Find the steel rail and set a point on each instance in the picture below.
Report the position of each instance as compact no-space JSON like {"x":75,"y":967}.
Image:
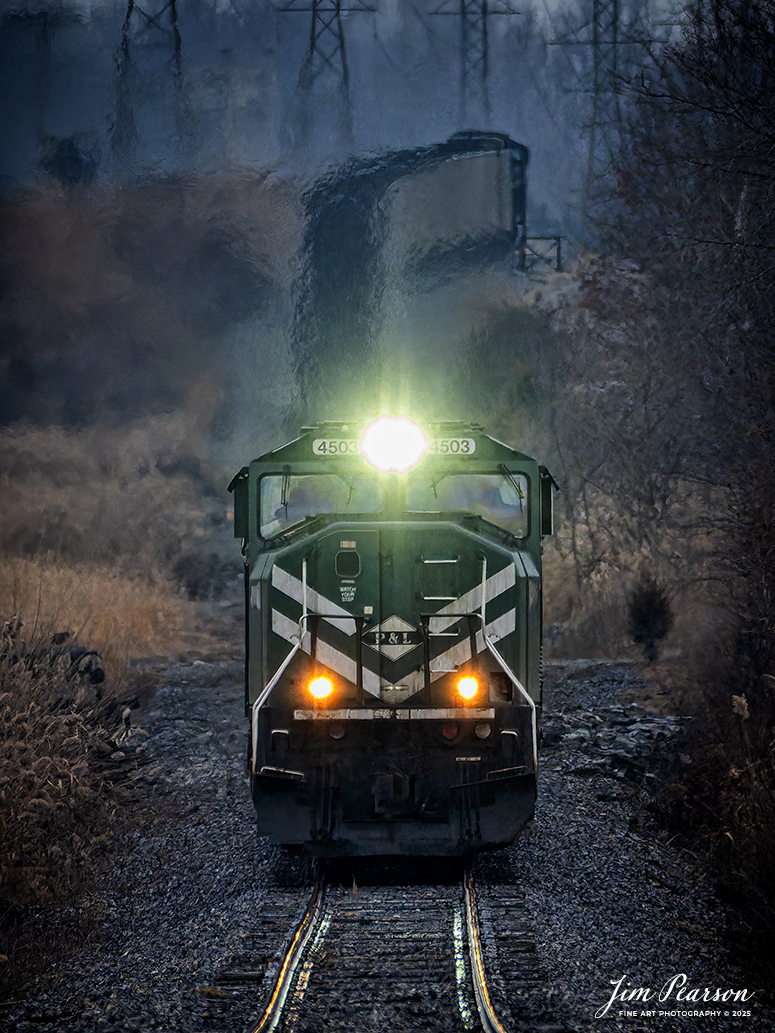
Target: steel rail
{"x":306,"y":928}
{"x":490,"y":1021}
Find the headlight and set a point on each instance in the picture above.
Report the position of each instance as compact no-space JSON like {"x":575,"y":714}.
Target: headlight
{"x":468,"y":687}
{"x":320,"y":687}
{"x":393,"y":443}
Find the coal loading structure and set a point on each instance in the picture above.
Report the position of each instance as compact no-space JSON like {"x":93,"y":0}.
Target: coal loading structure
{"x":405,"y":222}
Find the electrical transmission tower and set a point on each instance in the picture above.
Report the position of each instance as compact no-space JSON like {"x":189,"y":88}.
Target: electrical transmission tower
{"x":326,"y":52}
{"x":326,"y":58}
{"x":156,"y":25}
{"x":474,"y":58}
{"x":606,"y":92}
{"x":610,"y":42}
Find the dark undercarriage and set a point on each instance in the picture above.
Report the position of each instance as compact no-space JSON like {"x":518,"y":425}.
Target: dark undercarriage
{"x":391,"y":787}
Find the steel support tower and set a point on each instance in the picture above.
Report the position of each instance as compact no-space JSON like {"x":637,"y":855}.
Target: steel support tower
{"x":326,"y":52}
{"x":611,"y":42}
{"x":326,"y":57}
{"x":155,"y":22}
{"x":606,"y":92}
{"x":474,"y":52}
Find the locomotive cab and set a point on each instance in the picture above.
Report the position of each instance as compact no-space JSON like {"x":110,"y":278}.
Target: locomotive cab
{"x":393,"y":637}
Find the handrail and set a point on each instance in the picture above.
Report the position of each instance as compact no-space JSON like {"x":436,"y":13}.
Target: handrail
{"x":265,"y":695}
{"x":281,"y":669}
{"x":261,"y":700}
{"x":520,"y":688}
{"x":506,"y":670}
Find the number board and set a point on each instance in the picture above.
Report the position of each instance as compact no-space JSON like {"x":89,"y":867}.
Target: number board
{"x":438,"y":446}
{"x":453,"y":446}
{"x":335,"y":447}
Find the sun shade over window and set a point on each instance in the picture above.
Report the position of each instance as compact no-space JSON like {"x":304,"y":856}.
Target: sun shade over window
{"x":499,"y":498}
{"x":289,"y":499}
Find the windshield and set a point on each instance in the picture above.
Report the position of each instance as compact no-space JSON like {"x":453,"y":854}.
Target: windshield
{"x":288,"y":499}
{"x":498,"y":498}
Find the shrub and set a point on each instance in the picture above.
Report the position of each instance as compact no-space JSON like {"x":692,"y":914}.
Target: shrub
{"x":56,"y":813}
{"x":61,"y":721}
{"x":650,"y":615}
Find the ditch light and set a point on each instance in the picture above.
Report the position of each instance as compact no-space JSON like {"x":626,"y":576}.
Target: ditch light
{"x":468,"y":687}
{"x":320,"y":687}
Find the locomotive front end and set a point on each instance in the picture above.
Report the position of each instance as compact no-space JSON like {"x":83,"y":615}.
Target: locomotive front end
{"x":393,"y":609}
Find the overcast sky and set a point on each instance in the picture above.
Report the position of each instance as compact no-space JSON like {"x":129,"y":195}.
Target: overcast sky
{"x":117,"y":305}
{"x":225,"y":89}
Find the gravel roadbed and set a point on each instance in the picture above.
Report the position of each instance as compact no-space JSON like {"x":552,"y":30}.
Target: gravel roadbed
{"x":610,"y":897}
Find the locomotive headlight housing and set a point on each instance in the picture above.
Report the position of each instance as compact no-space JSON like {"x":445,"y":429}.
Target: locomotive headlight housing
{"x":467,"y":686}
{"x":393,"y":444}
{"x":320,"y":688}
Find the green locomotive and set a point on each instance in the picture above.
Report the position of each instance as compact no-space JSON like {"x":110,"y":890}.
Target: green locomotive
{"x":393,"y":637}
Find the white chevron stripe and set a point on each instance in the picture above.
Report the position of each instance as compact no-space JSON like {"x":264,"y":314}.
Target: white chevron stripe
{"x":461,"y":651}
{"x":289,"y":630}
{"x":471,"y":601}
{"x":427,"y":714}
{"x":326,"y":654}
{"x":292,"y":587}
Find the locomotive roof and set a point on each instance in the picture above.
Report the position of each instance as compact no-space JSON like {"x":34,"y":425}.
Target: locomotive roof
{"x":298,"y":450}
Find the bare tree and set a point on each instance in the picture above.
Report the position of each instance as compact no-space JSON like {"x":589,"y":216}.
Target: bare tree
{"x":694,"y":207}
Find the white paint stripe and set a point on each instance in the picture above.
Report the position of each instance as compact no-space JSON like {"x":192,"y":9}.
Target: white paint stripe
{"x":289,"y":630}
{"x":450,"y":660}
{"x":530,"y":567}
{"x":330,"y":657}
{"x":371,"y":682}
{"x":502,"y":626}
{"x":326,"y":654}
{"x":471,"y":601}
{"x":294,"y":588}
{"x":370,"y":714}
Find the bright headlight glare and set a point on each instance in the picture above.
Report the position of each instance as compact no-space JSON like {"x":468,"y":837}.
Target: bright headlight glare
{"x":393,"y":443}
{"x":320,"y":687}
{"x":468,"y":687}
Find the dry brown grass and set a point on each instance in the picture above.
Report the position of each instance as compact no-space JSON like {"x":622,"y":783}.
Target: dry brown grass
{"x":107,"y":534}
{"x":120,"y":617}
{"x":56,"y":813}
{"x":58,"y":731}
{"x":142,"y":499}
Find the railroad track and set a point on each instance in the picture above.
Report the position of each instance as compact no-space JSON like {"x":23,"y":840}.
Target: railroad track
{"x":401,"y":958}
